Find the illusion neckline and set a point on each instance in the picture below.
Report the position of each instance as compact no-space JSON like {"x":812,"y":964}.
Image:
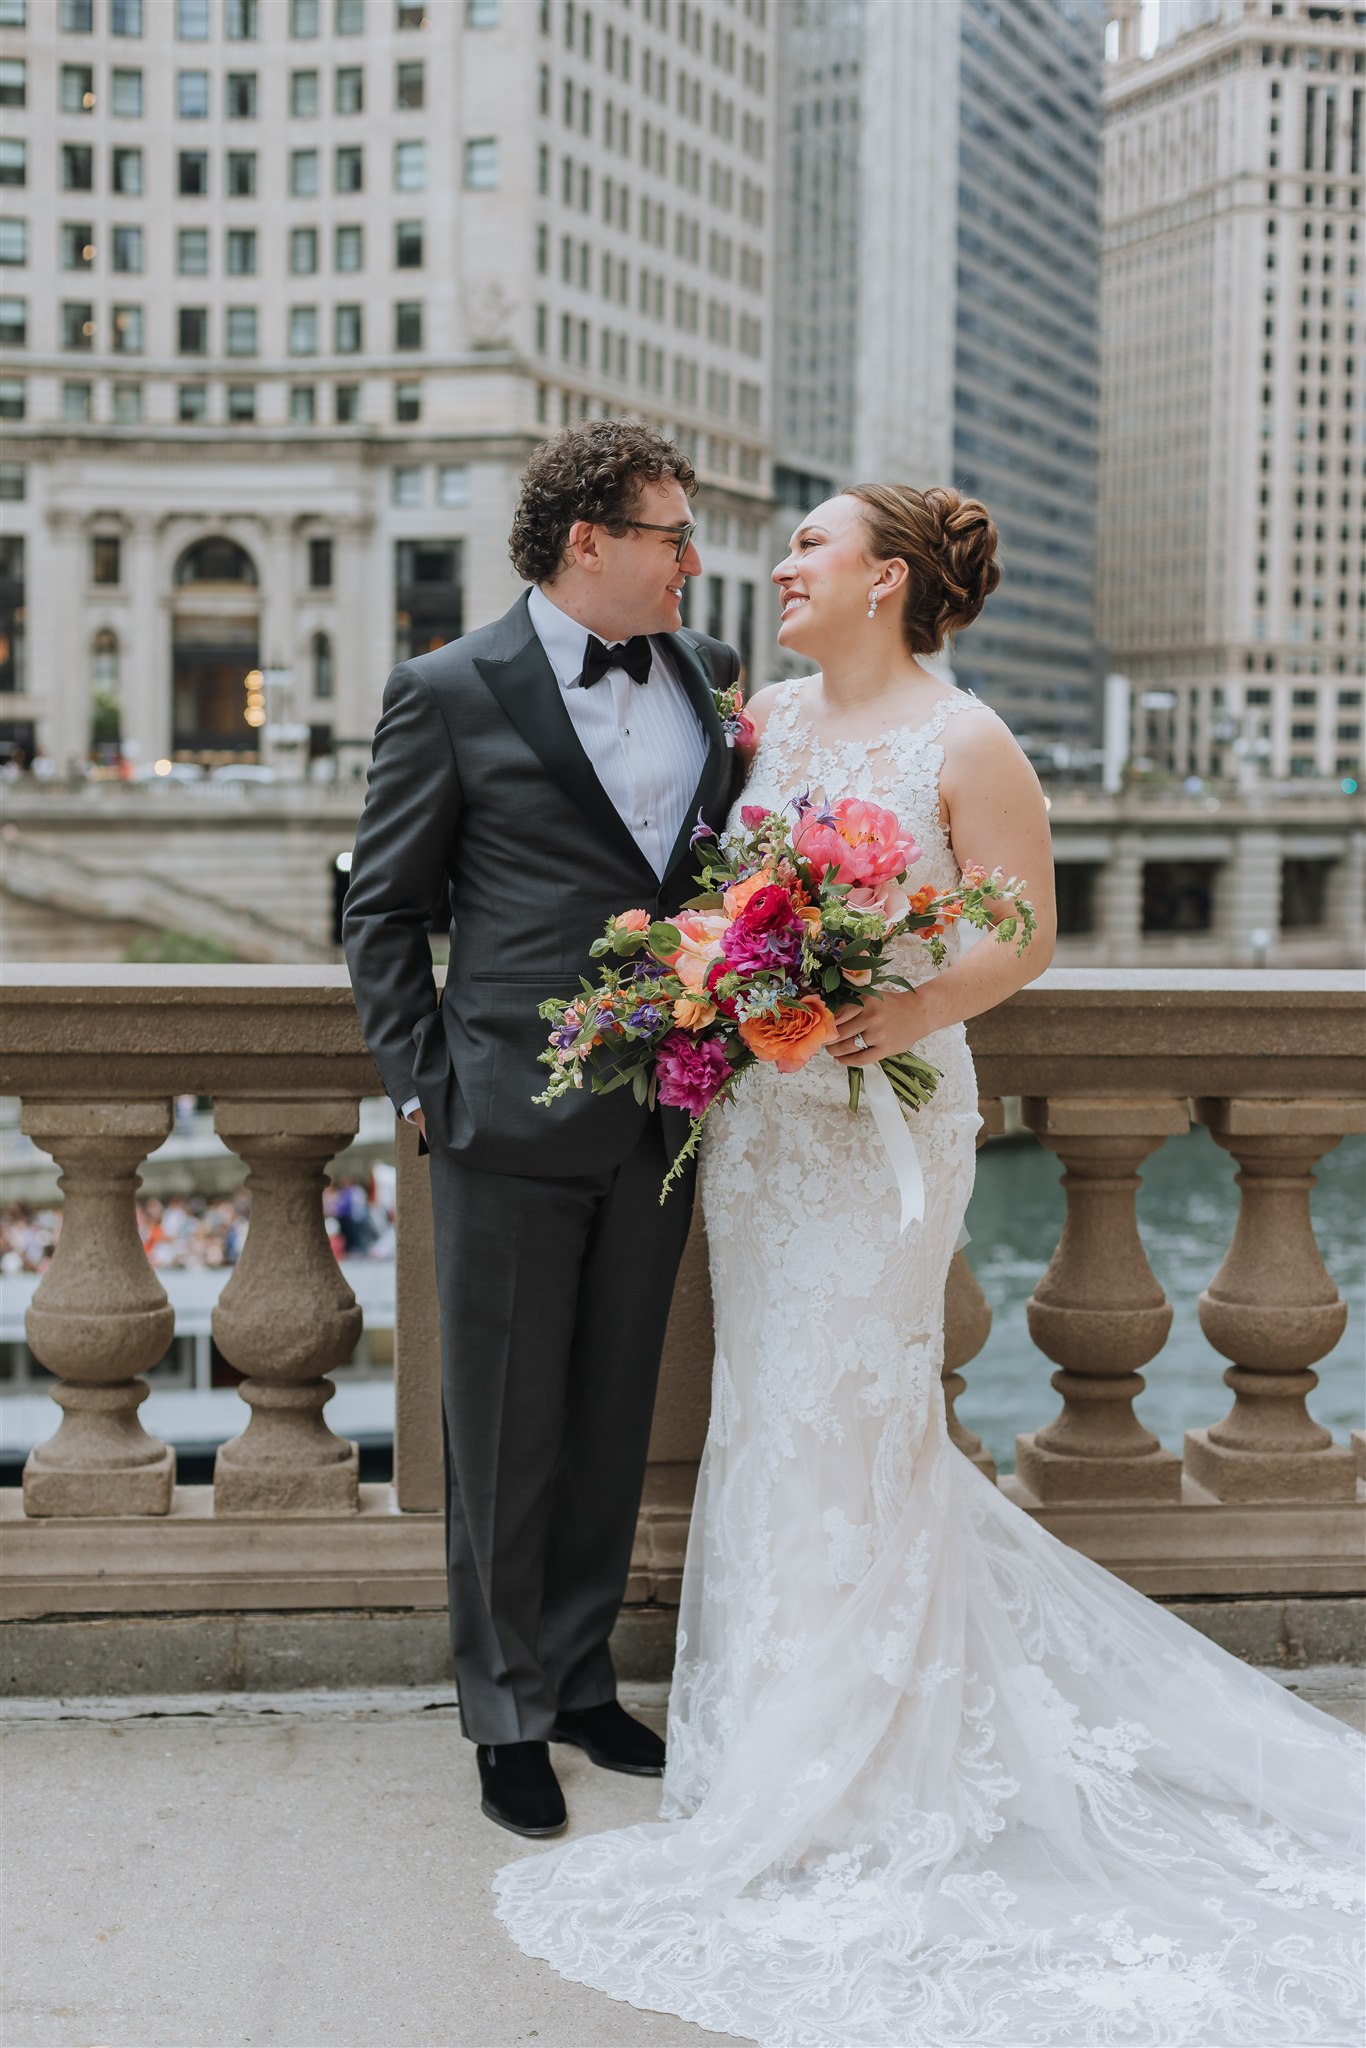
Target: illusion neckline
{"x":931,"y":725}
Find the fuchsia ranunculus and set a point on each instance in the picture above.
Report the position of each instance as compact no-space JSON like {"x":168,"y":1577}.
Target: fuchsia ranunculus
{"x":766,"y":933}
{"x":858,"y":843}
{"x":691,"y":1071}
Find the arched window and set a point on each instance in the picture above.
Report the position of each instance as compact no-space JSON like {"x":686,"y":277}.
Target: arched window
{"x":215,"y":561}
{"x":106,"y":661}
{"x":322,"y":665}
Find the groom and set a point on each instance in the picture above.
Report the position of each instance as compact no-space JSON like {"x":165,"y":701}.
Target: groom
{"x":542,"y":774}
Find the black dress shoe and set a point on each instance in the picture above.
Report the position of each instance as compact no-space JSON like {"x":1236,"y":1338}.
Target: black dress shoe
{"x":612,"y":1738}
{"x":520,"y":1789}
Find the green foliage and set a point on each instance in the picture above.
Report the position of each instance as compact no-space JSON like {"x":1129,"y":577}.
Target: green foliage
{"x":177,"y":949}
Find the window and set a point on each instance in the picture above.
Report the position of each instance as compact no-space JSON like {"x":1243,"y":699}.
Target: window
{"x":125,"y":94}
{"x":303,"y":173}
{"x":407,"y":487}
{"x":78,"y":167}
{"x":78,"y":324}
{"x":12,"y":480}
{"x":78,"y":247}
{"x":349,"y":169}
{"x":408,"y":324}
{"x":125,"y":17}
{"x":303,"y":251}
{"x":240,"y":23}
{"x":13,"y":161}
{"x":192,"y":252}
{"x":241,"y":252}
{"x":349,"y":19}
{"x":453,"y":484}
{"x":192,"y":95}
{"x":350,"y":90}
{"x":128,"y":330}
{"x":407,"y":403}
{"x":322,"y":664}
{"x":104,"y":558}
{"x":346,"y":330}
{"x":76,"y":401}
{"x":408,"y":245}
{"x":77,"y":89}
{"x":410,"y":167}
{"x":320,"y":565}
{"x":12,"y":398}
{"x":13,"y":241}
{"x":13,"y":13}
{"x":303,"y":94}
{"x":241,"y":403}
{"x":13,"y":322}
{"x":481,"y":13}
{"x":303,"y":330}
{"x":240,"y":176}
{"x":192,"y":403}
{"x":346,"y":404}
{"x":13,"y":82}
{"x":126,"y":249}
{"x":481,"y":164}
{"x":192,"y":330}
{"x":348,"y":249}
{"x":240,"y":97}
{"x":303,"y":405}
{"x":241,"y":331}
{"x":194,"y":173}
{"x":304,"y":21}
{"x":412,"y":13}
{"x":125,"y":173}
{"x":410,"y":85}
{"x":77,"y":17}
{"x":192,"y":21}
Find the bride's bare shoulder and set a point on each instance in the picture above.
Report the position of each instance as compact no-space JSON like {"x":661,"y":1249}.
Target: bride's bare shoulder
{"x":759,"y":707}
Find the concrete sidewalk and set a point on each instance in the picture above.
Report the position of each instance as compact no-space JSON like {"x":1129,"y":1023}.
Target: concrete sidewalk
{"x":293,"y":1870}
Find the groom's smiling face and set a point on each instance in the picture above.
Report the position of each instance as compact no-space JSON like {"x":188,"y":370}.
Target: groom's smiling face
{"x":629,"y":583}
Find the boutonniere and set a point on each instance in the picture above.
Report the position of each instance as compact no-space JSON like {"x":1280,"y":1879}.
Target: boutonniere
{"x":730,"y":709}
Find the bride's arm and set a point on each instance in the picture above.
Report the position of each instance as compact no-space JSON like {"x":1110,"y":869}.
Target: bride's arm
{"x":996,"y":817}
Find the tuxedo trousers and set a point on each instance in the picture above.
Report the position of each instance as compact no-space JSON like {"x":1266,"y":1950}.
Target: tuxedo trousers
{"x":554,"y":1295}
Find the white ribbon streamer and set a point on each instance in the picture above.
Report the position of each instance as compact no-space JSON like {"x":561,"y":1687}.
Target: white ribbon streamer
{"x":896,"y":1136}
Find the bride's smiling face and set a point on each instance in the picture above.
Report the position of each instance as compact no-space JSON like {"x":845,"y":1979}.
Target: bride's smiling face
{"x":827,"y":577}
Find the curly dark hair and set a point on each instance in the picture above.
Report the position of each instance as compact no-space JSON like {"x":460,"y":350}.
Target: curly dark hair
{"x":591,"y":471}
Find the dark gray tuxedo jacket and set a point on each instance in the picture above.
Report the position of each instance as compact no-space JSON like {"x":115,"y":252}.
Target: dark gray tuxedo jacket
{"x":480,"y":793}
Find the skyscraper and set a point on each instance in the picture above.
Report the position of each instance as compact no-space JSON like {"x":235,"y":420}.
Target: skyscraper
{"x":1233,"y":591}
{"x":292,"y":287}
{"x":938,"y":299}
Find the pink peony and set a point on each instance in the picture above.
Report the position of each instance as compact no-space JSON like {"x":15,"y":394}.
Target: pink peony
{"x":857,"y":843}
{"x":691,"y":1071}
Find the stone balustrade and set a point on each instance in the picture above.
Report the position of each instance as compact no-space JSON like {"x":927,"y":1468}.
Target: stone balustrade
{"x":1106,"y":1065}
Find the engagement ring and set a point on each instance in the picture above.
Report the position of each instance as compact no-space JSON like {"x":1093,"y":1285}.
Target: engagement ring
{"x":860,"y":1041}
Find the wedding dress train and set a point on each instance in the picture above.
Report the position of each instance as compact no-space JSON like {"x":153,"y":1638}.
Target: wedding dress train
{"x":934,"y":1778}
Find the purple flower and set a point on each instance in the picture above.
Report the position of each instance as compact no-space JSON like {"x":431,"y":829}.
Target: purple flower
{"x":700,"y":831}
{"x":691,"y":1071}
{"x":647,"y":1018}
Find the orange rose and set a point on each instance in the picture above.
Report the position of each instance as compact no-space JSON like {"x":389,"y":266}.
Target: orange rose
{"x":791,"y":1034}
{"x":693,"y":1016}
{"x":632,"y":921}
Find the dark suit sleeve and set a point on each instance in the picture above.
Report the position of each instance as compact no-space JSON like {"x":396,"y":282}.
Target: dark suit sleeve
{"x":399,"y":870}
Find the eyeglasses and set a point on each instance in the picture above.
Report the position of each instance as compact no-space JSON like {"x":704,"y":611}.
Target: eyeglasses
{"x":682,"y":535}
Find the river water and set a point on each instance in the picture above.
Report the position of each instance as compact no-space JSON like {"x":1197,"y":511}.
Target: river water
{"x":1187,"y":1208}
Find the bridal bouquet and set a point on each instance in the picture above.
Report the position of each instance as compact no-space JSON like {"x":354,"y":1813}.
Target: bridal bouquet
{"x":792,"y":923}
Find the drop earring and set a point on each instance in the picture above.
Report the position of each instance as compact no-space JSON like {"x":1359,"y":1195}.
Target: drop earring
{"x":873,"y":596}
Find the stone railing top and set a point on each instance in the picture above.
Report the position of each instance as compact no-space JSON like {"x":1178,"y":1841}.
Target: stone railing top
{"x":94,"y":1032}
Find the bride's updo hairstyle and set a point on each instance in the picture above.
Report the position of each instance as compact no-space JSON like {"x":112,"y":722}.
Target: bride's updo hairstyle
{"x":948,"y":543}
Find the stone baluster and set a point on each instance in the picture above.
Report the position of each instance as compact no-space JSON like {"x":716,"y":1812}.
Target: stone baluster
{"x":1273,"y":1309}
{"x":99,"y":1316}
{"x":1098,"y":1312}
{"x":286,"y":1316}
{"x":967,"y":1322}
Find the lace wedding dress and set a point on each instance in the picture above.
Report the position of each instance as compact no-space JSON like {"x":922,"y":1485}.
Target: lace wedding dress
{"x":933,"y":1777}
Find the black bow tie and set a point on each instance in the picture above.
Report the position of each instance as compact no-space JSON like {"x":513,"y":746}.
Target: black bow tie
{"x":634,"y":656}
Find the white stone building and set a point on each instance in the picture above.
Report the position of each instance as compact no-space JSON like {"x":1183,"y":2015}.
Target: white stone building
{"x":1233,"y":587}
{"x":938,"y":197}
{"x":289,"y":289}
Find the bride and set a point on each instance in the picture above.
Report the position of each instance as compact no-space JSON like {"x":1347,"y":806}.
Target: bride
{"x":933,"y":1778}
